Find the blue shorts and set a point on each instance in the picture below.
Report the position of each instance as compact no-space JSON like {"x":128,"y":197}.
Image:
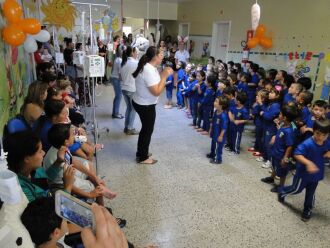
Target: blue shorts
{"x":279,"y":170}
{"x":169,"y":93}
{"x":75,"y":147}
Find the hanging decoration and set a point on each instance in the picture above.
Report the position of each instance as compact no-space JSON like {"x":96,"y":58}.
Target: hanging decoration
{"x":255,"y":15}
{"x":60,"y":13}
{"x":260,"y":38}
{"x":15,"y":33}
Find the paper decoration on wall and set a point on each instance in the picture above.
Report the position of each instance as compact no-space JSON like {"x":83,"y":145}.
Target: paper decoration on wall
{"x":60,"y":13}
{"x":303,"y":55}
{"x":255,"y":16}
{"x":325,"y":93}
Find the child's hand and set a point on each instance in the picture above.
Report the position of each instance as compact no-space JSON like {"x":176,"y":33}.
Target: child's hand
{"x":272,"y":141}
{"x":68,"y":177}
{"x":95,"y":193}
{"x":81,"y":131}
{"x":284,"y":163}
{"x":220,"y":139}
{"x":61,"y":153}
{"x":198,"y":86}
{"x":327,"y":155}
{"x":311,"y":168}
{"x":236,"y":122}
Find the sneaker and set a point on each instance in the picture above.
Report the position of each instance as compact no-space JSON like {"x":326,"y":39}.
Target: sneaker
{"x":274,"y":189}
{"x":167,"y":106}
{"x":280,"y":197}
{"x":266,"y":165}
{"x":213,"y":161}
{"x":227,"y":148}
{"x":260,"y":159}
{"x":132,"y":132}
{"x":233,"y":153}
{"x":125,"y":130}
{"x":277,"y":178}
{"x":268,"y":180}
{"x":209,"y":155}
{"x":306,"y":217}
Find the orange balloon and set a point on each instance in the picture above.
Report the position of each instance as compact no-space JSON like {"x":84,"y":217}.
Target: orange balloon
{"x":266,"y":42}
{"x":30,"y":25}
{"x":12,"y":11}
{"x":13,"y":35}
{"x":260,"y":31}
{"x":253,"y":42}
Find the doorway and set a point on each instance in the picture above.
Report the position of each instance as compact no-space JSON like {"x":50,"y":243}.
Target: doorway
{"x":220,"y":40}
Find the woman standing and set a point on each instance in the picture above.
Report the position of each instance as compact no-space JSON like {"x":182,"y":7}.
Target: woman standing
{"x":128,"y":66}
{"x":149,"y":85}
{"x":115,"y":80}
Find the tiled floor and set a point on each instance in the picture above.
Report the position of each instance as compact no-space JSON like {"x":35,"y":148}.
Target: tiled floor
{"x":184,"y":201}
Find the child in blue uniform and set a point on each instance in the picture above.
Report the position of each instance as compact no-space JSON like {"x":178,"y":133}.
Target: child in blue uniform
{"x":293,"y":92}
{"x":310,"y":166}
{"x":180,"y":78}
{"x":222,"y":84}
{"x":261,"y":99}
{"x":185,"y":85}
{"x":218,"y":129}
{"x":208,"y":102}
{"x":169,"y":92}
{"x":318,"y":113}
{"x":188,"y":92}
{"x":238,"y":116}
{"x":242,"y":86}
{"x":284,"y":142}
{"x":304,"y":99}
{"x":252,"y":85}
{"x":229,"y":92}
{"x":196,"y":98}
{"x":269,"y":114}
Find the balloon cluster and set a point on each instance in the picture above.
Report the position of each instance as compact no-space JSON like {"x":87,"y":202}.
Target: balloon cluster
{"x":260,"y":38}
{"x":20,"y":30}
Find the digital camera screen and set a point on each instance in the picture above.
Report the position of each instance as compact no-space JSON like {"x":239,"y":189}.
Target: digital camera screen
{"x":76,"y":213}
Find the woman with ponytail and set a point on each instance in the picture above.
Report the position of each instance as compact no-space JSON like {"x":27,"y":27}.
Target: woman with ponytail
{"x":128,"y":66}
{"x":149,"y":85}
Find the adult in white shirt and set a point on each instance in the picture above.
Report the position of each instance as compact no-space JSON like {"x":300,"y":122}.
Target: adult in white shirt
{"x":149,"y":85}
{"x":115,"y":80}
{"x":128,"y":66}
{"x":182,"y":54}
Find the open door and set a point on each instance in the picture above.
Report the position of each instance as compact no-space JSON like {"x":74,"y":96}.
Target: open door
{"x":220,"y":40}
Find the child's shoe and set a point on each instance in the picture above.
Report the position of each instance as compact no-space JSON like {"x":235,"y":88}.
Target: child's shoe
{"x":280,"y":197}
{"x":227,"y":148}
{"x":209,"y":155}
{"x":260,"y":159}
{"x":306,"y":216}
{"x":266,"y":165}
{"x":213,"y":161}
{"x":251,"y":149}
{"x":268,"y":180}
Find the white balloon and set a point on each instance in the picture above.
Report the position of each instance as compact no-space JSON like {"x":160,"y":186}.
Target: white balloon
{"x":30,"y":45}
{"x":42,"y":36}
{"x":255,"y":16}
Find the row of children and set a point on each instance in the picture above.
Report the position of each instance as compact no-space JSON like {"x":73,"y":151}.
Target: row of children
{"x":290,"y":130}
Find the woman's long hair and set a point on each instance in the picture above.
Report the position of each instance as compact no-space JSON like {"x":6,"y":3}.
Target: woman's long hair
{"x":146,"y":58}
{"x":127,"y":53}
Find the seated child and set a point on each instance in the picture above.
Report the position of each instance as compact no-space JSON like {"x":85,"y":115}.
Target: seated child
{"x":318,"y":113}
{"x":310,"y":166}
{"x":25,"y":156}
{"x":45,"y":227}
{"x":283,"y":144}
{"x":238,"y":116}
{"x":218,"y":129}
{"x":63,"y":135}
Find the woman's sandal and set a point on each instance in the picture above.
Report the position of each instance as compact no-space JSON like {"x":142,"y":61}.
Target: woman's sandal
{"x":153,"y":161}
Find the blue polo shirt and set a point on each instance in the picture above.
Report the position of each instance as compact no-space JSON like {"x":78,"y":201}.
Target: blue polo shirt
{"x":209,"y":97}
{"x":219,"y":122}
{"x":271,"y":112}
{"x":288,"y":98}
{"x":313,"y":152}
{"x":285,"y":137}
{"x":239,"y":114}
{"x":305,"y":114}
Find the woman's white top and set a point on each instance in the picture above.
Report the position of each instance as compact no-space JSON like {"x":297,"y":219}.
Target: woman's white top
{"x":116,"y":68}
{"x":128,"y":81}
{"x":148,"y":77}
